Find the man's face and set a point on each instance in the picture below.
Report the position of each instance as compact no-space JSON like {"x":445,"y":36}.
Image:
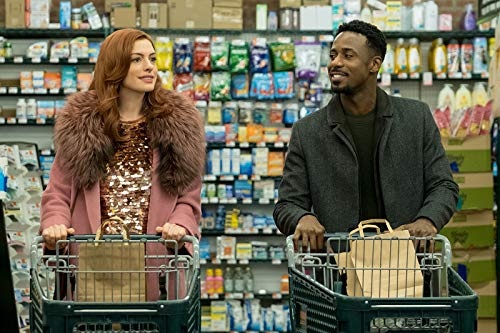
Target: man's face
{"x":352,"y":63}
{"x":142,"y":73}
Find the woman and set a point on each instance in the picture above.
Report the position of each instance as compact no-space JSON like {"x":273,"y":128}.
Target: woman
{"x":126,"y":148}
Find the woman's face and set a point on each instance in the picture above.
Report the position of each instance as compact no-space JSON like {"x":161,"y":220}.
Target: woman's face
{"x":142,"y":73}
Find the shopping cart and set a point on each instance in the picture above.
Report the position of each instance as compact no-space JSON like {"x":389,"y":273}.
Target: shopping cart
{"x":319,"y":300}
{"x":53,"y":277}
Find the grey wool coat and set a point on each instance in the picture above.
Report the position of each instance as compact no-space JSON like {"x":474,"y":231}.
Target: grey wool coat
{"x":321,"y":168}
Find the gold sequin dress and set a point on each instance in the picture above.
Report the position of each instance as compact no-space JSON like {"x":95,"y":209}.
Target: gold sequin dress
{"x":125,"y":189}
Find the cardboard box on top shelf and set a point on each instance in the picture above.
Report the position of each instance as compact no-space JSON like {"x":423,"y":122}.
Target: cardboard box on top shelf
{"x":190,"y":14}
{"x":315,"y":2}
{"x":229,"y":3}
{"x":479,"y":264}
{"x":476,"y":190}
{"x":110,"y":4}
{"x":227,"y":18}
{"x":486,"y":325}
{"x":123,"y":17}
{"x":471,"y":154}
{"x":487,"y":292}
{"x":290,"y":3}
{"x":14,"y":14}
{"x":470,"y":229}
{"x":154,"y":15}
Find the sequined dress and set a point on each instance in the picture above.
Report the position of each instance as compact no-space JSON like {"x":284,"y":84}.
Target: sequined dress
{"x":125,"y":189}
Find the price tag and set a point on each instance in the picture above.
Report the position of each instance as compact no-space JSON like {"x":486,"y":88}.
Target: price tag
{"x":256,"y":177}
{"x":249,"y":296}
{"x":267,"y":230}
{"x":277,"y":296}
{"x":244,"y":144}
{"x":40,"y":121}
{"x":279,"y":144}
{"x":18,"y":60}
{"x":441,"y":76}
{"x":2,"y":60}
{"x":54,"y":60}
{"x":247,"y":201}
{"x":54,"y":91}
{"x":231,"y":144}
{"x":2,"y":120}
{"x":385,"y":81}
{"x":46,"y":152}
{"x":276,"y":261}
{"x":485,"y":75}
{"x":204,"y":200}
{"x":233,"y":201}
{"x":231,"y":261}
{"x":223,"y":201}
{"x":227,"y":178}
{"x":415,"y":76}
{"x":243,"y":177}
{"x":13,"y":90}
{"x":261,"y":144}
{"x":72,"y":60}
{"x":427,"y":79}
{"x":22,"y":121}
{"x":214,"y":200}
{"x":263,"y":201}
{"x":69,"y":90}
{"x":402,"y":76}
{"x":36,"y":60}
{"x":216,"y":261}
{"x":93,"y":60}
{"x":243,"y":261}
{"x":466,"y":75}
{"x":214,"y":296}
{"x":27,"y":91}
{"x":3,"y":90}
{"x":203,"y":261}
{"x":209,"y":178}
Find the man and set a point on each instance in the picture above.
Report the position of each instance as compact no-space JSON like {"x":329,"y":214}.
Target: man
{"x":365,"y":155}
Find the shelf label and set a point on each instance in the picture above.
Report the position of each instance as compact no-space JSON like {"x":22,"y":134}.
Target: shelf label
{"x":267,"y":230}
{"x":247,"y":201}
{"x":13,"y":90}
{"x":227,"y":178}
{"x":402,"y":76}
{"x":72,"y":60}
{"x":22,"y":121}
{"x":385,"y":80}
{"x":223,"y":201}
{"x":244,"y":144}
{"x":54,"y":90}
{"x":243,"y":177}
{"x":3,"y":90}
{"x":2,"y":120}
{"x":203,"y":261}
{"x":256,"y":177}
{"x":276,"y":261}
{"x":231,"y":144}
{"x":36,"y":60}
{"x":231,"y":261}
{"x":485,"y":75}
{"x":264,"y":201}
{"x":279,"y":144}
{"x":27,"y":91}
{"x":277,"y":296}
{"x":18,"y":60}
{"x":233,"y":201}
{"x":249,"y":296}
{"x":40,"y":121}
{"x":2,"y":60}
{"x":415,"y":76}
{"x":216,"y":261}
{"x":69,"y":90}
{"x":54,"y":60}
{"x":204,"y":200}
{"x":243,"y":261}
{"x":427,"y":79}
{"x":214,"y":200}
{"x":209,"y":178}
{"x":261,"y":144}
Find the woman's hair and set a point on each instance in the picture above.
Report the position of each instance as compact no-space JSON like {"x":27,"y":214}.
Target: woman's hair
{"x":110,"y":70}
{"x":375,"y":38}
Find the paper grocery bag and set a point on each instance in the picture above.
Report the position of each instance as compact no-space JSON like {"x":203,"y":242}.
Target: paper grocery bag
{"x":344,"y":263}
{"x":111,"y":271}
{"x":386,"y":264}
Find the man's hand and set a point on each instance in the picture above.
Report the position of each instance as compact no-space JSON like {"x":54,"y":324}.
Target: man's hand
{"x":171,"y":231}
{"x":55,"y":233}
{"x":309,"y":231}
{"x":422,"y":227}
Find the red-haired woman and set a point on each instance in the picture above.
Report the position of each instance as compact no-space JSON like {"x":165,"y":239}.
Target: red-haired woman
{"x":126,"y":148}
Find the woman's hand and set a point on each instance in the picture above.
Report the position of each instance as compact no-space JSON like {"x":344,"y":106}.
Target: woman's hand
{"x":55,"y":233}
{"x":171,"y":231}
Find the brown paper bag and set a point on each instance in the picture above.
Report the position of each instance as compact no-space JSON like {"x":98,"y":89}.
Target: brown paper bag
{"x":111,"y":271}
{"x":386,"y":264}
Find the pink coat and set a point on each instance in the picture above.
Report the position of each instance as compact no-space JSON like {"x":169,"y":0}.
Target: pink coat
{"x":82,"y":151}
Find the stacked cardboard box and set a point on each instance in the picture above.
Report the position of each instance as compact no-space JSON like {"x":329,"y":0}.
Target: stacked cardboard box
{"x":228,"y":14}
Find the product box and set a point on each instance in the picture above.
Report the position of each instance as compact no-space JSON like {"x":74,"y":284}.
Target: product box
{"x":478,"y":265}
{"x":472,"y":154}
{"x":227,"y":18}
{"x":190,"y":14}
{"x":14,"y":14}
{"x":154,"y":15}
{"x":228,"y":3}
{"x":470,"y":230}
{"x":110,"y":4}
{"x":123,"y":17}
{"x":476,"y":190}
{"x":290,"y":3}
{"x":487,"y":292}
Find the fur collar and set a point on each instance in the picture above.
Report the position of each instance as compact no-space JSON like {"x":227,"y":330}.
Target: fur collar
{"x":177,"y":134}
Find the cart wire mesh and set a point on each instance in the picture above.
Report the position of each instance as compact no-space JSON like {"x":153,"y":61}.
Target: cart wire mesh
{"x":66,"y":296}
{"x":365,"y":284}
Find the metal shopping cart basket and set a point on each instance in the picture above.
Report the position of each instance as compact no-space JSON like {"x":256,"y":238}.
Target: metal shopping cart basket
{"x":319,"y":300}
{"x":53,"y":279}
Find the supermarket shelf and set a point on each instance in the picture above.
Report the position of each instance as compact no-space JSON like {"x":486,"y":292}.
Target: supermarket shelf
{"x":26,"y":122}
{"x":241,"y":261}
{"x":50,"y":33}
{"x":101,"y":33}
{"x":241,"y":232}
{"x":241,"y":296}
{"x":236,"y":201}
{"x":22,"y":60}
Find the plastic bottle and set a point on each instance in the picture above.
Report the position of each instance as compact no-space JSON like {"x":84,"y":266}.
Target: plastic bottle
{"x":209,"y":281}
{"x":417,"y":15}
{"x":31,"y":109}
{"x":431,"y":16}
{"x":21,"y":108}
{"x":239,"y":284}
{"x":440,"y":58}
{"x":466,"y":56}
{"x":414,"y":58}
{"x":366,"y":14}
{"x":401,"y":57}
{"x":453,"y":55}
{"x":218,"y":281}
{"x":228,"y":280}
{"x":388,"y":64}
{"x":468,"y":19}
{"x":248,"y":277}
